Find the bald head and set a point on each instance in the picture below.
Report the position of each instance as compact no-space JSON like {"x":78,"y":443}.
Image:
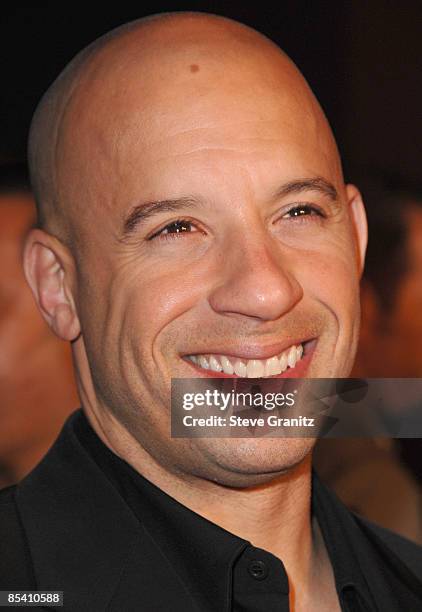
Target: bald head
{"x":152,"y":79}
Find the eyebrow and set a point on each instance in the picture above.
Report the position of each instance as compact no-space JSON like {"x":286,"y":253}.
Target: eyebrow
{"x":141,"y":212}
{"x":318,"y":184}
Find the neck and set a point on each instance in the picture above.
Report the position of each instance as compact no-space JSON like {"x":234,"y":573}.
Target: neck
{"x":275,"y":515}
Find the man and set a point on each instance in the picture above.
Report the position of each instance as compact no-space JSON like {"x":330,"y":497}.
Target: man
{"x":391,"y":299}
{"x":191,"y":203}
{"x":37,"y":390}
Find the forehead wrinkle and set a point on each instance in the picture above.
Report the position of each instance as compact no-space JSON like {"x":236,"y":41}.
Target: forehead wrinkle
{"x":229,"y":137}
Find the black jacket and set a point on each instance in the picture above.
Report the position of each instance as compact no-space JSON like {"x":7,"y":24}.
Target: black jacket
{"x":65,"y":527}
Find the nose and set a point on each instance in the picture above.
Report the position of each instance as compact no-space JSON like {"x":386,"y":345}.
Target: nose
{"x":256,"y":281}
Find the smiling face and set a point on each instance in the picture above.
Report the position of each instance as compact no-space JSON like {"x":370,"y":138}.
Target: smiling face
{"x":209,"y":218}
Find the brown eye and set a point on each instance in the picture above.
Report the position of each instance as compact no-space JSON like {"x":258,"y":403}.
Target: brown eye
{"x":177,"y":227}
{"x":173,"y":229}
{"x":303,"y":210}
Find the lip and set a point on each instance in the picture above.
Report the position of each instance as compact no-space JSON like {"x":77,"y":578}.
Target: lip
{"x":257,"y":352}
{"x":299,"y":371}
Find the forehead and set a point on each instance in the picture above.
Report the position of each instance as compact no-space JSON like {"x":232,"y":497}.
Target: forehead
{"x":190,"y":116}
{"x":152,"y":96}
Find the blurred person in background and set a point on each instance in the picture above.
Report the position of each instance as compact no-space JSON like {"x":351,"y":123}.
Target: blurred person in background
{"x":381,"y":478}
{"x":37,"y":389}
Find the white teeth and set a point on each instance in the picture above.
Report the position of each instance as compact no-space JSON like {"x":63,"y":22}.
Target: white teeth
{"x":227,"y":365}
{"x":291,"y":357}
{"x":255,"y":368}
{"x":250,"y":368}
{"x":240,"y":368}
{"x":214,"y":364}
{"x":203,"y":362}
{"x":272,"y":366}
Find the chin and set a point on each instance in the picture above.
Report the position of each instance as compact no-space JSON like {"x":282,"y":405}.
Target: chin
{"x":240,"y":462}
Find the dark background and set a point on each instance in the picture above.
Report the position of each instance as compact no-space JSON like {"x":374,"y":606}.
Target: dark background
{"x":363,"y":60}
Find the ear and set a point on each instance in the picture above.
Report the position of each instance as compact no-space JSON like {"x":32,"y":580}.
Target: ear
{"x":360,"y":226}
{"x":50,"y":272}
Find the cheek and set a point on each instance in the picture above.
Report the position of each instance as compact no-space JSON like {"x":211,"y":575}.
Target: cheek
{"x":139,"y":320}
{"x":329,"y":275}
{"x":165,"y":298}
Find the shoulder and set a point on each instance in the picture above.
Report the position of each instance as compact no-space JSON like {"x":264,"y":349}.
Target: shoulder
{"x":399,"y":549}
